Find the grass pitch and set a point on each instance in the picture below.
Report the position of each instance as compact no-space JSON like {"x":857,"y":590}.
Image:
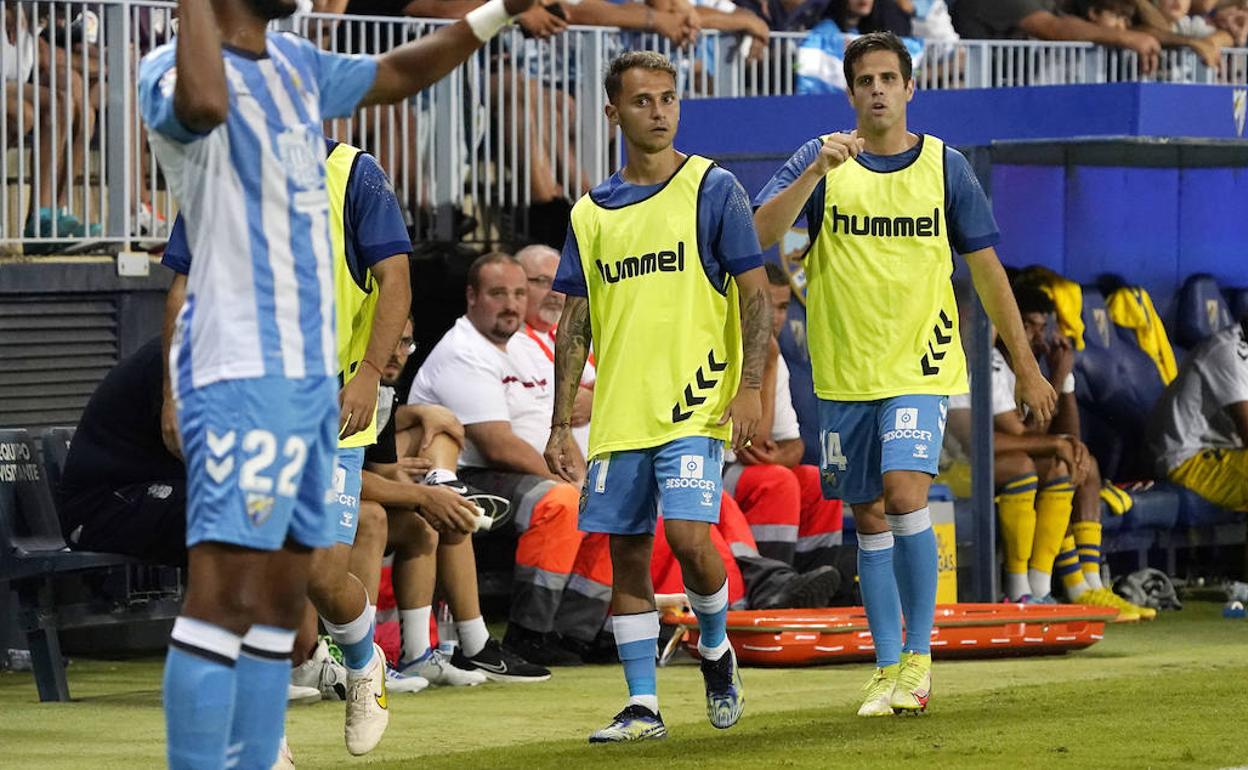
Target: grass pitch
{"x":1165,"y":694}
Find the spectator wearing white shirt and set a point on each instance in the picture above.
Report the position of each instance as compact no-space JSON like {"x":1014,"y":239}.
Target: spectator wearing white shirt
{"x":781,"y":498}
{"x":504,"y":403}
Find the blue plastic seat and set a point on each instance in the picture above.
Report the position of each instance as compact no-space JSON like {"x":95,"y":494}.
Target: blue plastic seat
{"x":1201,"y":311}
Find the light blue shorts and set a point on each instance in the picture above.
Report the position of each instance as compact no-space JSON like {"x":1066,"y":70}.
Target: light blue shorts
{"x":625,"y":491}
{"x":259,"y":461}
{"x":860,"y":441}
{"x":344,"y":505}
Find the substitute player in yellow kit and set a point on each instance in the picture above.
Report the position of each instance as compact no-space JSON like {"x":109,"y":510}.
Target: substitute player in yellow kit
{"x":664,"y":275}
{"x":883,"y":207}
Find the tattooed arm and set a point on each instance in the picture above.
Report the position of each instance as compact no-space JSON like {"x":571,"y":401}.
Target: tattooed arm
{"x":563,"y":454}
{"x":747,"y":407}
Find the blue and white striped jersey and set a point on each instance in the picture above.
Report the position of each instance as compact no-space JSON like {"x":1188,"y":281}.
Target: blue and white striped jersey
{"x":252,"y":191}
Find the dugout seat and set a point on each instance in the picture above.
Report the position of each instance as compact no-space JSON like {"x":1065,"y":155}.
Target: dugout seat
{"x":1201,"y":311}
{"x":33,"y":556}
{"x":1239,"y":303}
{"x":801,"y":383}
{"x":55,"y":445}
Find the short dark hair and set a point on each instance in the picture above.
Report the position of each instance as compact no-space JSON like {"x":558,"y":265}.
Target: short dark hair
{"x":1032,"y":299}
{"x":876,"y":41}
{"x":776,"y":275}
{"x":1121,"y":7}
{"x":650,"y":60}
{"x":484,"y":261}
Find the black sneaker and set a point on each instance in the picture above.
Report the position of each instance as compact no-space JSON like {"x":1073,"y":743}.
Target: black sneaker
{"x":808,"y":590}
{"x":500,"y":665}
{"x":495,"y":508}
{"x":601,"y":650}
{"x":538,"y":647}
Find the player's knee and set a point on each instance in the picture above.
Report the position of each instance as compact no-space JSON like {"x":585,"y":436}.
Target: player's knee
{"x":372,"y":520}
{"x":689,"y":540}
{"x":1011,"y":465}
{"x":905,"y":492}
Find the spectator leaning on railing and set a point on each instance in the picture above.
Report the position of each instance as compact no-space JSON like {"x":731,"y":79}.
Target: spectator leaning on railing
{"x":1043,"y":19}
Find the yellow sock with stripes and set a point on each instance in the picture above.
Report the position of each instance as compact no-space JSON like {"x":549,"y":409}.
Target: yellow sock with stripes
{"x":1053,"y":504}
{"x":1088,"y":541}
{"x":1067,"y":568}
{"x":1016,"y":508}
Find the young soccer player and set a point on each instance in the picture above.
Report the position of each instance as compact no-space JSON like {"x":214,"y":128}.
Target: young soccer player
{"x":235,"y":116}
{"x":663,"y":273}
{"x":884,"y":206}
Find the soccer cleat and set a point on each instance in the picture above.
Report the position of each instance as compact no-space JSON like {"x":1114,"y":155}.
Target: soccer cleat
{"x":368,"y":712}
{"x":495,"y":508}
{"x":725,"y":694}
{"x":634,"y":723}
{"x":499,"y":664}
{"x":297,"y":695}
{"x":914,"y":684}
{"x":1127,"y":612}
{"x":1046,"y":599}
{"x":322,"y":671}
{"x":438,"y":670}
{"x":878,"y":694}
{"x":399,"y":681}
{"x":285,"y":760}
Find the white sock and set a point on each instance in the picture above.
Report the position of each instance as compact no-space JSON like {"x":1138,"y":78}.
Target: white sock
{"x":1041,"y":583}
{"x":414,"y":627}
{"x":440,"y":476}
{"x":1077,"y":590}
{"x":1093,"y":579}
{"x":353,"y":633}
{"x":1016,"y":585}
{"x":472,"y":635}
{"x":649,"y":701}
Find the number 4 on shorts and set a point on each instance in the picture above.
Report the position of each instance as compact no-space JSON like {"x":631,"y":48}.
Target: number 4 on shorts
{"x":832,"y":455}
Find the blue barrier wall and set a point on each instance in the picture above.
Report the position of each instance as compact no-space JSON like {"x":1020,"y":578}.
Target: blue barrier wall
{"x":1127,"y":212}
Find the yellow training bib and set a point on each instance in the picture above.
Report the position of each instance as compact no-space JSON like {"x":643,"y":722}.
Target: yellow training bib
{"x":667,"y":341}
{"x":882,"y":320}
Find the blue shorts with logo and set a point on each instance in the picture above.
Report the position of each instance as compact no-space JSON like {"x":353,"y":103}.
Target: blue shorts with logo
{"x":860,"y":441}
{"x":259,"y":461}
{"x":344,"y":504}
{"x":625,"y":491}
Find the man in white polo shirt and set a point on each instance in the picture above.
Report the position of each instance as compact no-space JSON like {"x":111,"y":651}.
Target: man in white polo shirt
{"x":504,"y":403}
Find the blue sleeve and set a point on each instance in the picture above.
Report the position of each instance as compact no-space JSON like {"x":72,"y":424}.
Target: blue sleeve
{"x":570,"y":277}
{"x":788,"y":174}
{"x":726,"y":224}
{"x":377,"y":221}
{"x":177,"y":256}
{"x":157,"y":77}
{"x":343,"y":79}
{"x":971,"y":224}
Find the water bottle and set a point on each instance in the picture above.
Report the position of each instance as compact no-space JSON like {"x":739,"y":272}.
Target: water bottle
{"x":448,"y":640}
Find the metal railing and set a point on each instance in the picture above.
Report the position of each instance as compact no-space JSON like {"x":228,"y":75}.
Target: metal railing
{"x":517,"y":126}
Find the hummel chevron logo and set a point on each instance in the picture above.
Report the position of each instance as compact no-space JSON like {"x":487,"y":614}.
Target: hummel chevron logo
{"x":220,"y":470}
{"x":705,"y":381}
{"x":219,"y":445}
{"x":943,"y":332}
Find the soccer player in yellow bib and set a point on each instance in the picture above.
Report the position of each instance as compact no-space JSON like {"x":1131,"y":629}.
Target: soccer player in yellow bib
{"x":884,"y":206}
{"x":664,"y":275}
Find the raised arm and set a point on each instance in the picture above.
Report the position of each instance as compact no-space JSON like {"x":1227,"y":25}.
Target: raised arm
{"x":410,"y":68}
{"x":201,"y":99}
{"x":777,"y":215}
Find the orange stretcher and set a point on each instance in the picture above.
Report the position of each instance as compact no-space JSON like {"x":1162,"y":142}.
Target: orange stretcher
{"x":840,"y":634}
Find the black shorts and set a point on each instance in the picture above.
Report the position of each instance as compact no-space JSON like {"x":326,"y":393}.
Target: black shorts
{"x":145,"y":520}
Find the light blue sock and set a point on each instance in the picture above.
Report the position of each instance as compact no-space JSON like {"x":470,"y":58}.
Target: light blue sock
{"x":260,"y":703}
{"x":637,"y":641}
{"x":712,"y":613}
{"x":916,"y":565}
{"x":199,"y":693}
{"x":879,"y":595}
{"x":355,"y":639}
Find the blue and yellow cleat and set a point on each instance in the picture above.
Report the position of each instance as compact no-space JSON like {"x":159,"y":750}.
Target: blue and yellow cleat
{"x":634,"y":723}
{"x":725,"y":694}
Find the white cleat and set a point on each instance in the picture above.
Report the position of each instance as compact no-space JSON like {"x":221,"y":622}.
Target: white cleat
{"x":878,"y":694}
{"x":285,"y":760}
{"x":397,"y":681}
{"x":322,"y":672}
{"x":368,"y":712}
{"x":436,"y":667}
{"x":297,"y":695}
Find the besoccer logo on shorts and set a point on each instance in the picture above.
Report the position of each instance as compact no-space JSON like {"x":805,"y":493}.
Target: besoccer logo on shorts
{"x":691,"y":466}
{"x":907,"y":418}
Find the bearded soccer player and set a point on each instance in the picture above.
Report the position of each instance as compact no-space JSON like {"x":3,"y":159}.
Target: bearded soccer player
{"x":883,"y":206}
{"x":664,"y":276}
{"x":235,"y":116}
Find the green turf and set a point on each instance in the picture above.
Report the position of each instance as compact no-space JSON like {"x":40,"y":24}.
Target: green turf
{"x":1164,"y":694}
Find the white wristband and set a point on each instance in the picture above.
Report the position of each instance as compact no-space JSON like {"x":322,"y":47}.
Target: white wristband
{"x":486,"y":20}
{"x":1068,"y":384}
